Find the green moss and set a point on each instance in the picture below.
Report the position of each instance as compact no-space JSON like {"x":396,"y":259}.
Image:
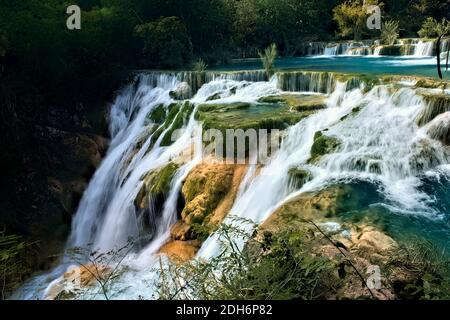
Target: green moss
{"x":323,"y":145}
{"x":158,"y":114}
{"x":436,"y":104}
{"x":161,"y":183}
{"x":156,"y":182}
{"x":298,"y":103}
{"x":181,"y":119}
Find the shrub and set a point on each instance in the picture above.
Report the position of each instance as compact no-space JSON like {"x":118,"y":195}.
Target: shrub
{"x":200,"y":66}
{"x":389,"y":33}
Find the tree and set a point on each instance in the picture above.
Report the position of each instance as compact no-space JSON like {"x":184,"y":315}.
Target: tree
{"x":351,"y":17}
{"x":166,"y":42}
{"x":389,"y":32}
{"x":442,"y":29}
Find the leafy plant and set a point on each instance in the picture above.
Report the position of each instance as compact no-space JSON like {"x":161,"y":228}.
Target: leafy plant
{"x":102,"y":267}
{"x":390,"y":32}
{"x":426,"y":269}
{"x":200,"y":66}
{"x":268,"y":59}
{"x":12,"y":266}
{"x":270,"y":266}
{"x":429,"y":28}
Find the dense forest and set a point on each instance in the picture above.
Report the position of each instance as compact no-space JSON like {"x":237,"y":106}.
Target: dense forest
{"x":55,"y":81}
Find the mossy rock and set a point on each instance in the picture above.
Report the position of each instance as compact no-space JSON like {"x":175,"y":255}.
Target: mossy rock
{"x":203,"y":190}
{"x":298,"y":103}
{"x":247,"y":116}
{"x":323,"y":145}
{"x":156,"y":182}
{"x":176,"y":120}
{"x":213,"y":97}
{"x":436,"y":105}
{"x":298,"y":177}
{"x":316,"y":206}
{"x":158,"y":114}
{"x":391,"y":50}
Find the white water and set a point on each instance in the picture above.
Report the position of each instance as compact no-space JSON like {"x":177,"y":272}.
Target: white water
{"x":381,"y":144}
{"x":424,"y":49}
{"x":420,"y":48}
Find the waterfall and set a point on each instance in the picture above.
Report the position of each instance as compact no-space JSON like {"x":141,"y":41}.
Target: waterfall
{"x":380,"y":138}
{"x":424,"y":49}
{"x":381,"y":144}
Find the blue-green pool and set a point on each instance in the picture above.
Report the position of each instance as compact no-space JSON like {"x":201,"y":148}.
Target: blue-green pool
{"x":406,"y":65}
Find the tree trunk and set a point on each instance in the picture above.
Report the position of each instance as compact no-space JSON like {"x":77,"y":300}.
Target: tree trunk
{"x":438,"y":50}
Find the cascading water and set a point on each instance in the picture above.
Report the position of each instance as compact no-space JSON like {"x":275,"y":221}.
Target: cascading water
{"x":424,"y":49}
{"x":380,"y":142}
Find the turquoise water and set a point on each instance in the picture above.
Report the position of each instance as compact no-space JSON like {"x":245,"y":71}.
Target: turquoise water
{"x":355,"y":64}
{"x":366,"y":203}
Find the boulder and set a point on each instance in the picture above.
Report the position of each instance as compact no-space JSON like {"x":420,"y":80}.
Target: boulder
{"x":182,"y":91}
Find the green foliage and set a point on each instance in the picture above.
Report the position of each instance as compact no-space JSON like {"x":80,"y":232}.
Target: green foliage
{"x":390,"y":32}
{"x":278,"y":267}
{"x":351,"y":17}
{"x":431,"y":28}
{"x":158,"y":114}
{"x":166,"y":42}
{"x":268,"y":59}
{"x":102,"y":267}
{"x":200,"y":66}
{"x":427,"y":268}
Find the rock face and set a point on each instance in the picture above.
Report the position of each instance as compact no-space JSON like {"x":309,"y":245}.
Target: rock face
{"x":209,"y":192}
{"x":436,"y":104}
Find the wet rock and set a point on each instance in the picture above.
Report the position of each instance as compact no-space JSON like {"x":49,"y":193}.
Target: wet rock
{"x":181,"y":251}
{"x":439,"y":128}
{"x":323,"y":145}
{"x":182,"y":91}
{"x":77,"y":278}
{"x":298,"y":103}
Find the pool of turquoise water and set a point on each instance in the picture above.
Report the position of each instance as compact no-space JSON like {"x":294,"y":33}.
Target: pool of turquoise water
{"x":406,"y":65}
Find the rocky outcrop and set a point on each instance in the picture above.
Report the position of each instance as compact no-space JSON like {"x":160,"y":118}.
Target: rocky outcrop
{"x":182,"y":91}
{"x":349,"y":246}
{"x":77,"y":278}
{"x":209,"y":192}
{"x":323,"y":145}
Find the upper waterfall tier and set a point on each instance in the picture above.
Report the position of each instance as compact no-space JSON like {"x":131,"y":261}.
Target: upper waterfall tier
{"x":294,"y":81}
{"x":403,"y":47}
